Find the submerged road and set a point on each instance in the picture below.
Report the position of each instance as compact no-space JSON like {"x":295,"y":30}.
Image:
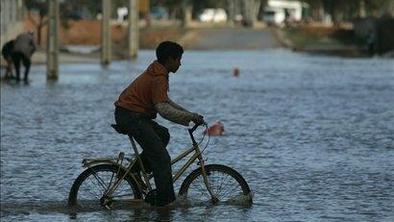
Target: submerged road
{"x":312,"y":135}
{"x":194,"y":39}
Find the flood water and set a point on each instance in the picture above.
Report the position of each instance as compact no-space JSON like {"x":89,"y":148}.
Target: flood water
{"x":312,"y":135}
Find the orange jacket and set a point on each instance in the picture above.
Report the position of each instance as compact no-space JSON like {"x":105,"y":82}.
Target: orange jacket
{"x":146,"y":90}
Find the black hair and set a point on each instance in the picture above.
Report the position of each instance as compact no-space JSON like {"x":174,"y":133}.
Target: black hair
{"x":168,"y":49}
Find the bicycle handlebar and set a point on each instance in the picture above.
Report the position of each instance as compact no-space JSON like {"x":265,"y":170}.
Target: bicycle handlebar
{"x":191,"y":130}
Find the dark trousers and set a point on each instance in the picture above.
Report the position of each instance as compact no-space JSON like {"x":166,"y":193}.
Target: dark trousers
{"x":8,"y":58}
{"x":8,"y":72}
{"x":17,"y":58}
{"x":153,"y":139}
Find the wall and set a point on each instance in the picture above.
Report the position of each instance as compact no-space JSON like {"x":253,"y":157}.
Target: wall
{"x":11,"y":15}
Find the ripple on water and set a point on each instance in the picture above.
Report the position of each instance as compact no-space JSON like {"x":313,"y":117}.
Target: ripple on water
{"x":313,"y":137}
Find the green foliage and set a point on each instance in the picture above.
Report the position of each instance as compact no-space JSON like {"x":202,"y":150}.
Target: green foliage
{"x":338,"y":9}
{"x":37,"y":5}
{"x":348,"y":9}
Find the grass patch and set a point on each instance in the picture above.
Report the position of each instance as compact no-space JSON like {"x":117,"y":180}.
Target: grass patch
{"x":306,"y":36}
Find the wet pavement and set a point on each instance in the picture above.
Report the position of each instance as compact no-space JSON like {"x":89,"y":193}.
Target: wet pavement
{"x":230,"y":39}
{"x":312,"y":135}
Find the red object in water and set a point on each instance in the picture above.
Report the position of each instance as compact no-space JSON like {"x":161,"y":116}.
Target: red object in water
{"x":236,"y":72}
{"x":217,"y":129}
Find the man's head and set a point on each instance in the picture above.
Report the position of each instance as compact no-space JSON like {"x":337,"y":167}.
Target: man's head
{"x":169,"y":54}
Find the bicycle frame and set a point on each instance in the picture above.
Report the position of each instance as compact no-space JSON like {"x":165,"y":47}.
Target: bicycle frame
{"x":196,"y":155}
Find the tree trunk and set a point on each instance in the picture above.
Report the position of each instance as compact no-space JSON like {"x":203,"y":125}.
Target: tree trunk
{"x":361,"y":9}
{"x":317,"y":10}
{"x":251,"y":8}
{"x":39,"y":30}
{"x":230,"y":11}
{"x":39,"y":27}
{"x":187,"y":9}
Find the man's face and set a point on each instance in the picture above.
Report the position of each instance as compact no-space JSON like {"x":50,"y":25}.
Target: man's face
{"x":174,"y":63}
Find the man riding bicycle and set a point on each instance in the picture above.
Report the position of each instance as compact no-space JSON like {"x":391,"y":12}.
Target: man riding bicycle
{"x":139,"y":104}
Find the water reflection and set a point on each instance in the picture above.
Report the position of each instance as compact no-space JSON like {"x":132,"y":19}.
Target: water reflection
{"x":47,"y":210}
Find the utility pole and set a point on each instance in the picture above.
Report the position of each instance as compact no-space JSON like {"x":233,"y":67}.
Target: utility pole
{"x":187,"y":13}
{"x":361,"y":10}
{"x":53,"y":44}
{"x":231,"y":12}
{"x":106,"y":33}
{"x":251,"y":8}
{"x":133,"y":28}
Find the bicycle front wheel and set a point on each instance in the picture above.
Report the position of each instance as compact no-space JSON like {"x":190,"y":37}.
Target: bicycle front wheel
{"x":227,"y":186}
{"x":90,"y":189}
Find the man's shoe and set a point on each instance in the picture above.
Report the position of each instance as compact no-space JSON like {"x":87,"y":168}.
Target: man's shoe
{"x":151,"y":197}
{"x":174,"y":204}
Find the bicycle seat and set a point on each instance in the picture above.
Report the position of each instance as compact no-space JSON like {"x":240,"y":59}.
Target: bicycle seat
{"x":120,"y":129}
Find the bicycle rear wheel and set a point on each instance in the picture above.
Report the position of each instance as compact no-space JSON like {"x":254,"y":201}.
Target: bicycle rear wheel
{"x":227,"y":185}
{"x":89,"y":190}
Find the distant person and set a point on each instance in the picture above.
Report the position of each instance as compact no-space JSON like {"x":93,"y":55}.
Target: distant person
{"x":287,"y":18}
{"x":236,"y":72}
{"x":371,"y":39}
{"x":139,"y":104}
{"x":6,"y":51}
{"x":24,"y":47}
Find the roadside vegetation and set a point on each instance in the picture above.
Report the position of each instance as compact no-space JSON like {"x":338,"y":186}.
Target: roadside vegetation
{"x":304,"y":37}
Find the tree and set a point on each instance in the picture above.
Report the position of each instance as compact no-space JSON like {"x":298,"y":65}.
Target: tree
{"x":251,"y":9}
{"x":377,"y":8}
{"x":41,"y":7}
{"x":340,"y":10}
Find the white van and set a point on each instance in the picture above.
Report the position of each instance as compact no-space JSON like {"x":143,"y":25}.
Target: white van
{"x":274,"y":16}
{"x":213,"y":15}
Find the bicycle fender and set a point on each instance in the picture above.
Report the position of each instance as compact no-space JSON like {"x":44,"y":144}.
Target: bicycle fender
{"x":87,"y":163}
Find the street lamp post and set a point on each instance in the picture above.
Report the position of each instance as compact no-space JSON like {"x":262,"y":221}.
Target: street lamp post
{"x":53,"y":44}
{"x":106,"y":33}
{"x":133,"y":28}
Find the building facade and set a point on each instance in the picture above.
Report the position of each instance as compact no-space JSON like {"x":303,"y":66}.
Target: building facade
{"x":11,"y":19}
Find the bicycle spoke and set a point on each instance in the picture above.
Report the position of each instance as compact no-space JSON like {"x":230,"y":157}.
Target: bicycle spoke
{"x":101,"y":182}
{"x":96,"y":185}
{"x":227,"y":184}
{"x":92,"y":189}
{"x":100,"y":186}
{"x":95,"y":182}
{"x":202,"y":189}
{"x":229,"y":191}
{"x":93,"y":192}
{"x":121,"y":191}
{"x":222,"y":182}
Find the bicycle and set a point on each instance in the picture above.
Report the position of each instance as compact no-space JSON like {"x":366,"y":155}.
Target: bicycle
{"x":110,"y":183}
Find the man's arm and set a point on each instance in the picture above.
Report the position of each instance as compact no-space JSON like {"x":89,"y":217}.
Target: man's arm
{"x":175,"y":114}
{"x":172,"y":103}
{"x":169,"y":109}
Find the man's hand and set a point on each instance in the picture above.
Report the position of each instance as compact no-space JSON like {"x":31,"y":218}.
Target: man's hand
{"x":198,"y":119}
